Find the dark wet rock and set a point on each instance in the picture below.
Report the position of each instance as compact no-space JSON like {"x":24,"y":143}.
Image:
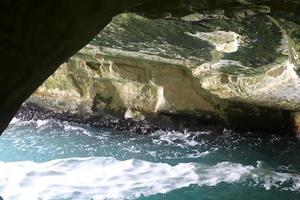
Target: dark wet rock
{"x":162,"y":121}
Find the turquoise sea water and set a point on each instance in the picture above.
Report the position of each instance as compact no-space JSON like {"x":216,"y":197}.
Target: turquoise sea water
{"x":60,"y":160}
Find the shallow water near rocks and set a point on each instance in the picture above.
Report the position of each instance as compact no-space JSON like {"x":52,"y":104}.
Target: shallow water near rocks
{"x":47,"y":159}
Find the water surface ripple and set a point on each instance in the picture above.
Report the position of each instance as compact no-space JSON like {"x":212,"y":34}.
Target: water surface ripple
{"x":47,"y":159}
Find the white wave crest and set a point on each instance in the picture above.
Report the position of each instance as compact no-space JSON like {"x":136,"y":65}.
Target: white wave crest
{"x":97,"y":178}
{"x":180,"y":139}
{"x":108,"y":178}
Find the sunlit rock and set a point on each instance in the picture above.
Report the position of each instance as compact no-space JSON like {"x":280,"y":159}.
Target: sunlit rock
{"x":227,"y":42}
{"x":233,"y":68}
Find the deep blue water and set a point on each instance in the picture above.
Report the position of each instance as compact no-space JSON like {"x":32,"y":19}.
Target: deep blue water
{"x":60,"y":160}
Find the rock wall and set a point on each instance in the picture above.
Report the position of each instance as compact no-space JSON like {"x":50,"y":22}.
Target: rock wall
{"x":100,"y":80}
{"x":241,"y":69}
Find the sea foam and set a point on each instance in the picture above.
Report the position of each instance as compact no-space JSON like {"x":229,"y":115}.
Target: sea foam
{"x":109,"y":178}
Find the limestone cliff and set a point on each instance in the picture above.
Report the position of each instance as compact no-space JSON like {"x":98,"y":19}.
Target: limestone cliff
{"x":241,"y":69}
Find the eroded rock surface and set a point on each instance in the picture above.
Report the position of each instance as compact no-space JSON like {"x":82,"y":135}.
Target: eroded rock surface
{"x":240,"y":69}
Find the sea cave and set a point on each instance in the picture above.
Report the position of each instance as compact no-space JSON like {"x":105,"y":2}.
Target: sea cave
{"x":149,"y":99}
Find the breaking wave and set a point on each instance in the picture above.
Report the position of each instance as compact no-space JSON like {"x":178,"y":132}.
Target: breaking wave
{"x":109,"y":178}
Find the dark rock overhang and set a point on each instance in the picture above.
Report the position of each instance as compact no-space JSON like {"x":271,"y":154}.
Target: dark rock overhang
{"x":178,"y":8}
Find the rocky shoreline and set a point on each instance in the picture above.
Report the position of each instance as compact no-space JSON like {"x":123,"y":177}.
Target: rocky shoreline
{"x":164,"y":121}
{"x":169,"y":122}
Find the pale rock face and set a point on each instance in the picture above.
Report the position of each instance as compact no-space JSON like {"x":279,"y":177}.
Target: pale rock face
{"x":130,"y":114}
{"x":227,"y":42}
{"x":296,"y":119}
{"x":137,"y":66}
{"x":114,"y":83}
{"x":277,"y":87}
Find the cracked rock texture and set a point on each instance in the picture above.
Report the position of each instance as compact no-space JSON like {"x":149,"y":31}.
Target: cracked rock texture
{"x":235,"y":68}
